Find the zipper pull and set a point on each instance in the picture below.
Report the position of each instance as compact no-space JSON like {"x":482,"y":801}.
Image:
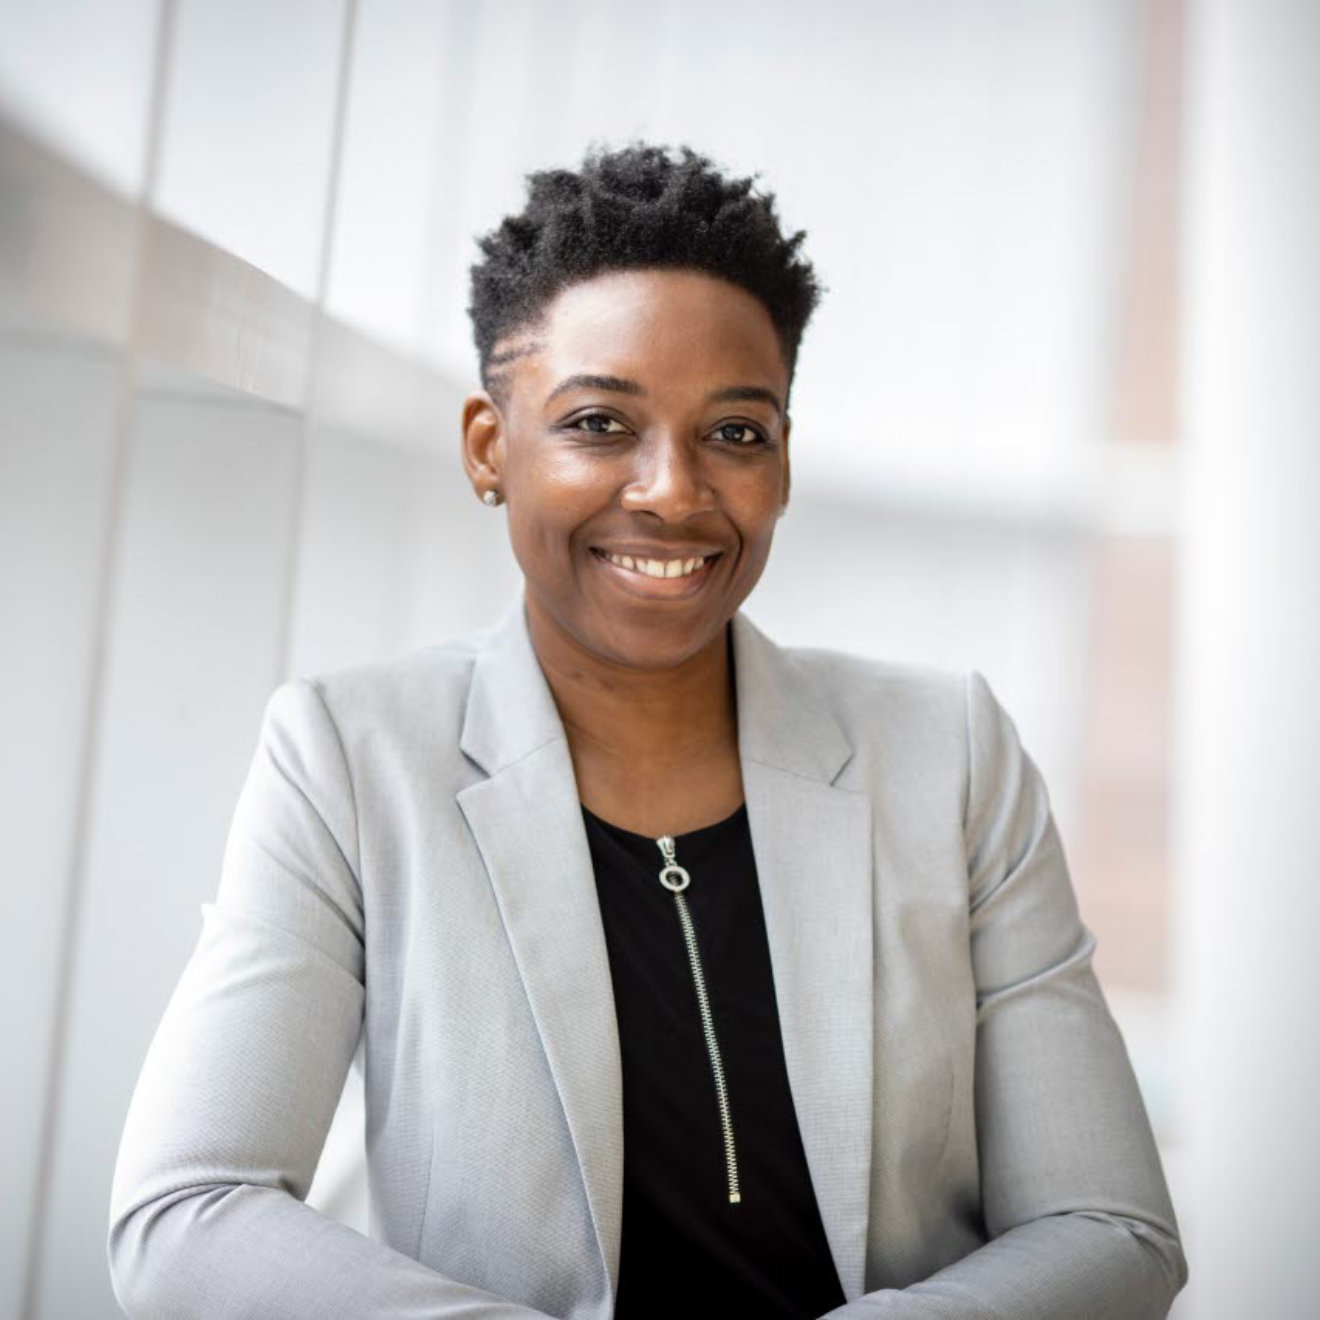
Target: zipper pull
{"x":672,"y":876}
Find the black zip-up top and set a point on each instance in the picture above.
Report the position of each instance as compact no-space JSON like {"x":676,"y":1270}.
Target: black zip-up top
{"x":719,"y":1215}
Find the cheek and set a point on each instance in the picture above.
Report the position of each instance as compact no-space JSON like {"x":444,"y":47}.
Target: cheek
{"x":551,"y":496}
{"x":757,"y":522}
{"x":757,"y":509}
{"x":556,"y":478}
{"x":539,"y":538}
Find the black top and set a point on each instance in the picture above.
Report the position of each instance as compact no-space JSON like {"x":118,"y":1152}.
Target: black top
{"x":686,"y":1249}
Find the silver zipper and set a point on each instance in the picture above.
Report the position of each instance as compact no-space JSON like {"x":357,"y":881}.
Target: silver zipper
{"x":676,"y":880}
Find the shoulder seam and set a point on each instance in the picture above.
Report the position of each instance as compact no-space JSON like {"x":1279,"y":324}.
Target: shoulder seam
{"x":315,"y":687}
{"x":967,"y":753}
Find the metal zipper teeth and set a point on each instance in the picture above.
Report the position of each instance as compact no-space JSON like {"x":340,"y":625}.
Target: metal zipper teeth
{"x":666,"y":845}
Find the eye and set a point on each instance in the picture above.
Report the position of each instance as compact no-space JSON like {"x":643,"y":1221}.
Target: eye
{"x":740,"y":434}
{"x":588,"y":422}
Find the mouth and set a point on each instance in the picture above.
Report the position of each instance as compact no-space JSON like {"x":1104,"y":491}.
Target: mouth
{"x":657,"y":578}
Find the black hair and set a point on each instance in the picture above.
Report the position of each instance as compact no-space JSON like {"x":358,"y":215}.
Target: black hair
{"x":639,"y":206}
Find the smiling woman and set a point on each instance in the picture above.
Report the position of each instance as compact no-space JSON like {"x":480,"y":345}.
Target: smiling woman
{"x":672,"y":447}
{"x":694,"y":975}
{"x":643,"y":494}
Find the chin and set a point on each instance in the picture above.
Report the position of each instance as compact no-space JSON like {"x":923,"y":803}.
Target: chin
{"x":650,"y":644}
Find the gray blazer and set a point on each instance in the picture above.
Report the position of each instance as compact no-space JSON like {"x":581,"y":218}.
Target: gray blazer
{"x":408,"y":869}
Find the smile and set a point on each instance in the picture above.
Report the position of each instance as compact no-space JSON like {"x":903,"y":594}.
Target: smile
{"x":657,"y":568}
{"x":657,"y":579}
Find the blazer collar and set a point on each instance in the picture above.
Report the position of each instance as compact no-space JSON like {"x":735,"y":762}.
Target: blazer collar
{"x":510,"y":709}
{"x":812,"y":843}
{"x":783,"y":718}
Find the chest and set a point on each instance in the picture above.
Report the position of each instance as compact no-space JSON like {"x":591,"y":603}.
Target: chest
{"x":658,"y":796}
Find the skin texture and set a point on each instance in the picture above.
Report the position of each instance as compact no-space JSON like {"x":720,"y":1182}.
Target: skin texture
{"x":639,"y":668}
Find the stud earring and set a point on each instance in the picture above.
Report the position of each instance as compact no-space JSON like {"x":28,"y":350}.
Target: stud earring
{"x":491,"y":498}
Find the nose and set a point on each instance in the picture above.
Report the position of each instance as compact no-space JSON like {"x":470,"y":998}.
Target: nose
{"x":670,"y":480}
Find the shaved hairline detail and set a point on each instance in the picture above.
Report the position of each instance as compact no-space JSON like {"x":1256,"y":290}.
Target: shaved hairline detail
{"x":504,"y":357}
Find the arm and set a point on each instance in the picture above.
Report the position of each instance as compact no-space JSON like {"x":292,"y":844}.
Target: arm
{"x":230,"y":1113}
{"x":1075,"y":1203}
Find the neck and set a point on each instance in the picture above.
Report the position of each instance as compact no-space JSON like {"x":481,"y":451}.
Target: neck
{"x":633,"y":716}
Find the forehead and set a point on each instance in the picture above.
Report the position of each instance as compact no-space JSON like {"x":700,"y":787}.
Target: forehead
{"x":658,"y":327}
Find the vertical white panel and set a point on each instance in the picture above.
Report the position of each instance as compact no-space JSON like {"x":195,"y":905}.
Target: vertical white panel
{"x":464,"y":573}
{"x":55,"y":455}
{"x":352,"y":567}
{"x":386,"y":209}
{"x":246,"y":143}
{"x":395,"y":554}
{"x":487,"y":143}
{"x":79,"y":76}
{"x":1248,"y":660}
{"x":193,"y":655}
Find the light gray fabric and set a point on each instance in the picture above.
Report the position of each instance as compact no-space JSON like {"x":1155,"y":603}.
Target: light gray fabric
{"x":408,"y":869}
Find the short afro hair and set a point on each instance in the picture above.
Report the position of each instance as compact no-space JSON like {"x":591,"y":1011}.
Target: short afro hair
{"x":639,"y":206}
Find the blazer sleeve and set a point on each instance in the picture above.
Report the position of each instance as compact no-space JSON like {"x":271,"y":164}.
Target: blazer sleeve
{"x":1079,"y":1218}
{"x":242,"y":1078}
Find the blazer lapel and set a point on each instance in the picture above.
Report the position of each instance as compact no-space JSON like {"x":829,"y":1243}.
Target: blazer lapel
{"x":812,"y":843}
{"x":813,"y":855}
{"x":527,"y":821}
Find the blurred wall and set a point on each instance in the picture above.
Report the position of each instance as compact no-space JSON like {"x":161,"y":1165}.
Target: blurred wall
{"x":1249,"y":662}
{"x":233,"y":251}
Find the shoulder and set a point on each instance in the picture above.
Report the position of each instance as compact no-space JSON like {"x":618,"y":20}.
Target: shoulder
{"x":891,"y":693}
{"x":421,"y":691}
{"x":917,"y":719}
{"x":432,"y":671}
{"x":935,"y":743}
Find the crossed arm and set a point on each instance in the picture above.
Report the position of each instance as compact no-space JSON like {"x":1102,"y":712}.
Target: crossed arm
{"x":208,"y":1215}
{"x":1080,"y":1222}
{"x":234,"y":1100}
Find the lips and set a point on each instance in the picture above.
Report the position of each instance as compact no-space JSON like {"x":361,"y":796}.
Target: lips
{"x":644,"y":571}
{"x":655,"y":566}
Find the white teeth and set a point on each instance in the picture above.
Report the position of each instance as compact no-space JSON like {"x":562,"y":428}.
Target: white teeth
{"x":658,"y":568}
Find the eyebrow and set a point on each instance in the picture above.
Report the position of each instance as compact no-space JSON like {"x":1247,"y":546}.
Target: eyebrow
{"x":582,"y":381}
{"x":622,"y":385}
{"x":748,"y":394}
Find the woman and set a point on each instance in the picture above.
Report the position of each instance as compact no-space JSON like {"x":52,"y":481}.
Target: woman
{"x":693,"y":975}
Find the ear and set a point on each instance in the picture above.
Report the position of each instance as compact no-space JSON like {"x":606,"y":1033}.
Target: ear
{"x":783,"y":495}
{"x":483,"y":443}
